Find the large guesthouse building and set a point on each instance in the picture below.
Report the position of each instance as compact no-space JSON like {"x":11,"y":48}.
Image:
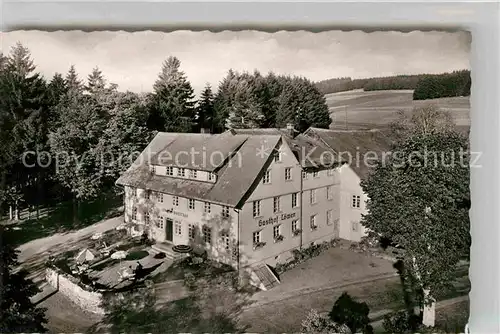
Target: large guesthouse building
{"x":248,"y":196}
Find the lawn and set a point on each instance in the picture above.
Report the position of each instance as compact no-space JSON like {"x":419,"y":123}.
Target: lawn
{"x":332,"y":267}
{"x":59,"y":219}
{"x":281,"y":310}
{"x":179,"y":269}
{"x":453,"y":318}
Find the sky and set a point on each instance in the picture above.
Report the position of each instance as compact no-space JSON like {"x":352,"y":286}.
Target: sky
{"x":134,"y":60}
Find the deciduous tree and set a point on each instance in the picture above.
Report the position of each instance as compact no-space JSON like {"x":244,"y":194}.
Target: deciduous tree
{"x":419,"y":198}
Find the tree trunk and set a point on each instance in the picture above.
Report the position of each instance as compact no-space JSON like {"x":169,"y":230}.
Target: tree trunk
{"x":11,"y":213}
{"x":399,"y":265}
{"x":429,"y":311}
{"x":75,"y":210}
{"x":428,"y":304}
{"x":16,"y":211}
{"x":39,"y":188}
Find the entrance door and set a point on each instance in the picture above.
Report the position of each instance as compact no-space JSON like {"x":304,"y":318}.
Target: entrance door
{"x":170,"y":230}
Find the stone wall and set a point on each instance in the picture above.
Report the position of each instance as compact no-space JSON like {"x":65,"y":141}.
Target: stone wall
{"x":70,"y":287}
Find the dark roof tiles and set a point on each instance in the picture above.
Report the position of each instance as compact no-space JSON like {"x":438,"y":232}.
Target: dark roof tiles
{"x":352,"y":146}
{"x":234,"y":178}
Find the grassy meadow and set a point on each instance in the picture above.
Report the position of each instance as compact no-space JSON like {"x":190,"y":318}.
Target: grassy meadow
{"x":376,"y":109}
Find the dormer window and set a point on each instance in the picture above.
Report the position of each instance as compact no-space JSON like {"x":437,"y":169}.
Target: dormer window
{"x":277,"y":156}
{"x":267,"y":177}
{"x":193,"y":174}
{"x":211,"y":177}
{"x":169,"y":171}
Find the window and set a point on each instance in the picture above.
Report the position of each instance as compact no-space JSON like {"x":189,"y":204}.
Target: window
{"x":329,"y":217}
{"x":276,"y":204}
{"x":288,"y":174}
{"x":256,"y":237}
{"x":193,"y":174}
{"x":312,"y":196}
{"x":356,"y":201}
{"x":134,"y":213}
{"x":225,"y":240}
{"x":160,"y":222}
{"x":277,"y":156}
{"x":178,"y":227}
{"x":169,"y":171}
{"x":329,"y":192}
{"x":159,"y":197}
{"x":191,"y":231}
{"x":355,"y":226}
{"x":276,"y":231}
{"x":315,"y":174}
{"x":313,"y":222}
{"x":225,"y":211}
{"x":256,"y":209}
{"x":207,"y":234}
{"x":175,"y":200}
{"x":295,"y":202}
{"x":191,"y":204}
{"x":152,"y":168}
{"x":330,"y":172}
{"x":207,"y":208}
{"x":235,"y":253}
{"x":211,"y":177}
{"x":146,"y":217}
{"x":295,"y":226}
{"x":147,"y":194}
{"x":304,"y":175}
{"x":267,"y":177}
{"x":181,"y":172}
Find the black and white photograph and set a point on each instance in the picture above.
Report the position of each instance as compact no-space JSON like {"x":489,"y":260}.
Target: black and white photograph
{"x":235,"y":181}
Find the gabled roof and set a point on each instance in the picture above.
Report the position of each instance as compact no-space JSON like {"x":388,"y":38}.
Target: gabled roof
{"x":311,"y":153}
{"x":351,"y":144}
{"x":234,"y":177}
{"x":178,"y":151}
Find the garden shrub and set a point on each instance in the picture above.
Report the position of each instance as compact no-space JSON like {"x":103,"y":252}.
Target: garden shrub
{"x":137,"y":255}
{"x":316,"y":323}
{"x":301,"y":255}
{"x":351,"y":313}
{"x":160,"y":255}
{"x":401,"y":322}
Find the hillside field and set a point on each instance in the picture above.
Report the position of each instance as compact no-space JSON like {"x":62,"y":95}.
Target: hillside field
{"x":376,"y":109}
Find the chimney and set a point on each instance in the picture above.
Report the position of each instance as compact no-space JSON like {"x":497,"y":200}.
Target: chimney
{"x":290,"y":129}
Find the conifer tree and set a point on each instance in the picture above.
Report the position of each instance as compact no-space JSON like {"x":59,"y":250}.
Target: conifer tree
{"x":73,"y":83}
{"x":96,"y":82}
{"x":24,"y":117}
{"x":172,"y":104}
{"x":205,"y":110}
{"x":56,"y":89}
{"x":17,"y":313}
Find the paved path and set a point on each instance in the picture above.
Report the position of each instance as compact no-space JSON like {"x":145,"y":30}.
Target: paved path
{"x":324,"y":288}
{"x":38,"y":246}
{"x":440,"y":304}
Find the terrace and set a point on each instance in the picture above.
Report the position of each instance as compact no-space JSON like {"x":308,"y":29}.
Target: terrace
{"x":113,"y":261}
